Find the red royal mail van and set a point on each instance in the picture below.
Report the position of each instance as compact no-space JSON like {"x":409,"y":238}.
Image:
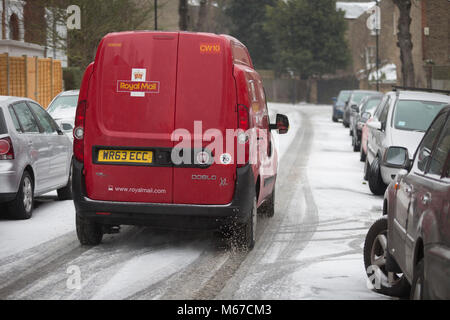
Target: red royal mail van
{"x":172,"y":130}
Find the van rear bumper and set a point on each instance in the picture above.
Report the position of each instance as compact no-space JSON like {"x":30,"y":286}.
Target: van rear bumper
{"x":184,"y":216}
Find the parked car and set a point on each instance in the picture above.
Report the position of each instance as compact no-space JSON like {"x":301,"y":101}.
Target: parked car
{"x":401,"y":119}
{"x":339,"y":104}
{"x":359,"y":117}
{"x":411,"y":244}
{"x":353,"y":101}
{"x":368,"y":114}
{"x":35,"y":156}
{"x":126,"y":167}
{"x":63,"y":109}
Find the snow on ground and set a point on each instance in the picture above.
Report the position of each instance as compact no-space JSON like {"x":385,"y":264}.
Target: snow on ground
{"x":51,"y":219}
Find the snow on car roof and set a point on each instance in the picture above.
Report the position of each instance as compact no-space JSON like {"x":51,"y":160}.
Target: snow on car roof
{"x":422,"y":95}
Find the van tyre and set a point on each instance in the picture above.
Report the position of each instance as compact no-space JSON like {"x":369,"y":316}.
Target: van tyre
{"x":245,"y":234}
{"x":375,"y":251}
{"x":376,"y":183}
{"x":89,"y":233}
{"x":267,"y":209}
{"x":21,"y":207}
{"x":66,"y":192}
{"x":418,"y":291}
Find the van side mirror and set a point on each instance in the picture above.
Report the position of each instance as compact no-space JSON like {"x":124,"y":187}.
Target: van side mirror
{"x":366,"y":116}
{"x":397,"y":157}
{"x":282,"y":124}
{"x":355,"y":108}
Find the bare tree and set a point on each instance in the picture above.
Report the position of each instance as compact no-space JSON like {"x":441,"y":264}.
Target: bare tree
{"x":183,"y":11}
{"x":405,"y":42}
{"x":202,"y":15}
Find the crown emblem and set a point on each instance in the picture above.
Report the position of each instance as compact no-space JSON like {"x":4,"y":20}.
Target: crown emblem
{"x":138,"y":75}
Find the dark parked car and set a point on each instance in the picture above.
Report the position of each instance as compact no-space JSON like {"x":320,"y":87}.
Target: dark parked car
{"x":411,"y":243}
{"x":353,"y":101}
{"x":359,"y":117}
{"x":339,"y":104}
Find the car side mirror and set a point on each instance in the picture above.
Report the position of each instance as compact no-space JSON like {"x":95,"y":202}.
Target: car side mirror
{"x":282,"y":124}
{"x":397,"y":157}
{"x":374,"y":125}
{"x":366,"y":116}
{"x":355,"y":108}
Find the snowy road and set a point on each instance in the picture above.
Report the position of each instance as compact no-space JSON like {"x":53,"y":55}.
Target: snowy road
{"x":311,"y":249}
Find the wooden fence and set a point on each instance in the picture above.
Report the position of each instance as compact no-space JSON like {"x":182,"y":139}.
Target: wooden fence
{"x":36,"y":78}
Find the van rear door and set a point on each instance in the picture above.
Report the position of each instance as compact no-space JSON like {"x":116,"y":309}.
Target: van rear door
{"x":130,"y":118}
{"x":206,"y":98}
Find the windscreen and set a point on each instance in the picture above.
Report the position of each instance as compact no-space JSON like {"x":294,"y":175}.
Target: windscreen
{"x":371,"y":105}
{"x":63,"y":103}
{"x":343,"y":96}
{"x":358,"y":96}
{"x":416,"y":115}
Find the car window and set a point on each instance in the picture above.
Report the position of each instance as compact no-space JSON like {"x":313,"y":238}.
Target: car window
{"x":426,"y":146}
{"x":26,"y":118}
{"x":43,"y":118}
{"x":14,"y":119}
{"x":415,"y":115}
{"x":3,"y":128}
{"x":440,"y":153}
{"x":358,"y":96}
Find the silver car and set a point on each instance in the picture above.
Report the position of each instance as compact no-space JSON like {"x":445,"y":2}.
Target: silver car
{"x":63,"y":109}
{"x":401,"y":120}
{"x":35,"y":156}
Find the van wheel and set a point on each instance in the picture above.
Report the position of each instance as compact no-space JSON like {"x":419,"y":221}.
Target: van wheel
{"x":376,"y":184}
{"x":268,"y":207}
{"x":89,"y":233}
{"x":66,"y":192}
{"x":21,"y":207}
{"x":375,"y":251}
{"x":418,"y":291}
{"x":245,"y":235}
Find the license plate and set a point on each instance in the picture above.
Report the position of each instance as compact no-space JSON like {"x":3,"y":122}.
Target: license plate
{"x":125,"y":156}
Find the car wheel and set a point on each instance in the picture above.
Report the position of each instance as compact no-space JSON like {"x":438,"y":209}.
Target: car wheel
{"x":66,"y":192}
{"x":362,"y":155}
{"x":375,"y":250}
{"x":356,"y":145}
{"x":334,"y":119}
{"x":418,"y":291}
{"x":22,"y":206}
{"x":366,"y":169}
{"x":89,"y":233}
{"x":245,"y":235}
{"x":350,"y":133}
{"x":376,"y":183}
{"x":268,"y":207}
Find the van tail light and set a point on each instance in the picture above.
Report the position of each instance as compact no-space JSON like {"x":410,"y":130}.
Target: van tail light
{"x":243,"y":136}
{"x":78,"y":131}
{"x":6,"y":149}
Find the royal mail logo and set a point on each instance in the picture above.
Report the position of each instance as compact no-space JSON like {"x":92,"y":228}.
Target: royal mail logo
{"x":138,"y":86}
{"x":212,"y":48}
{"x":134,"y":86}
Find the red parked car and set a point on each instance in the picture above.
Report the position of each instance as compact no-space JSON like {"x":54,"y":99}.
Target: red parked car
{"x":152,"y":137}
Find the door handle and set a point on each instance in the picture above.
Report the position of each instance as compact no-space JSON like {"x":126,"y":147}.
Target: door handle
{"x":426,"y":198}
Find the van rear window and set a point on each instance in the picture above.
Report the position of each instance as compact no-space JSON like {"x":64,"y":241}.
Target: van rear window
{"x":3,"y":128}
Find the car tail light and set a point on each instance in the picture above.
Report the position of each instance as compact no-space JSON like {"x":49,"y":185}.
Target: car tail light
{"x":78,"y":132}
{"x":6,"y":149}
{"x":243,"y":136}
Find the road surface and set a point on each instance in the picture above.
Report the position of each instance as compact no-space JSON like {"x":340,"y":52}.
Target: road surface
{"x":310,"y":249}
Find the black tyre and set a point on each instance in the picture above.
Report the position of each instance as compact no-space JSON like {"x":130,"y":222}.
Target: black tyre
{"x":366,"y":169}
{"x":418,"y":291}
{"x":334,"y":119}
{"x":356,"y":145}
{"x":66,"y":192}
{"x":89,"y":233}
{"x":375,"y":250}
{"x":376,"y":184}
{"x":350,"y":133}
{"x":245,"y":235}
{"x":21,"y":207}
{"x":268,"y":207}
